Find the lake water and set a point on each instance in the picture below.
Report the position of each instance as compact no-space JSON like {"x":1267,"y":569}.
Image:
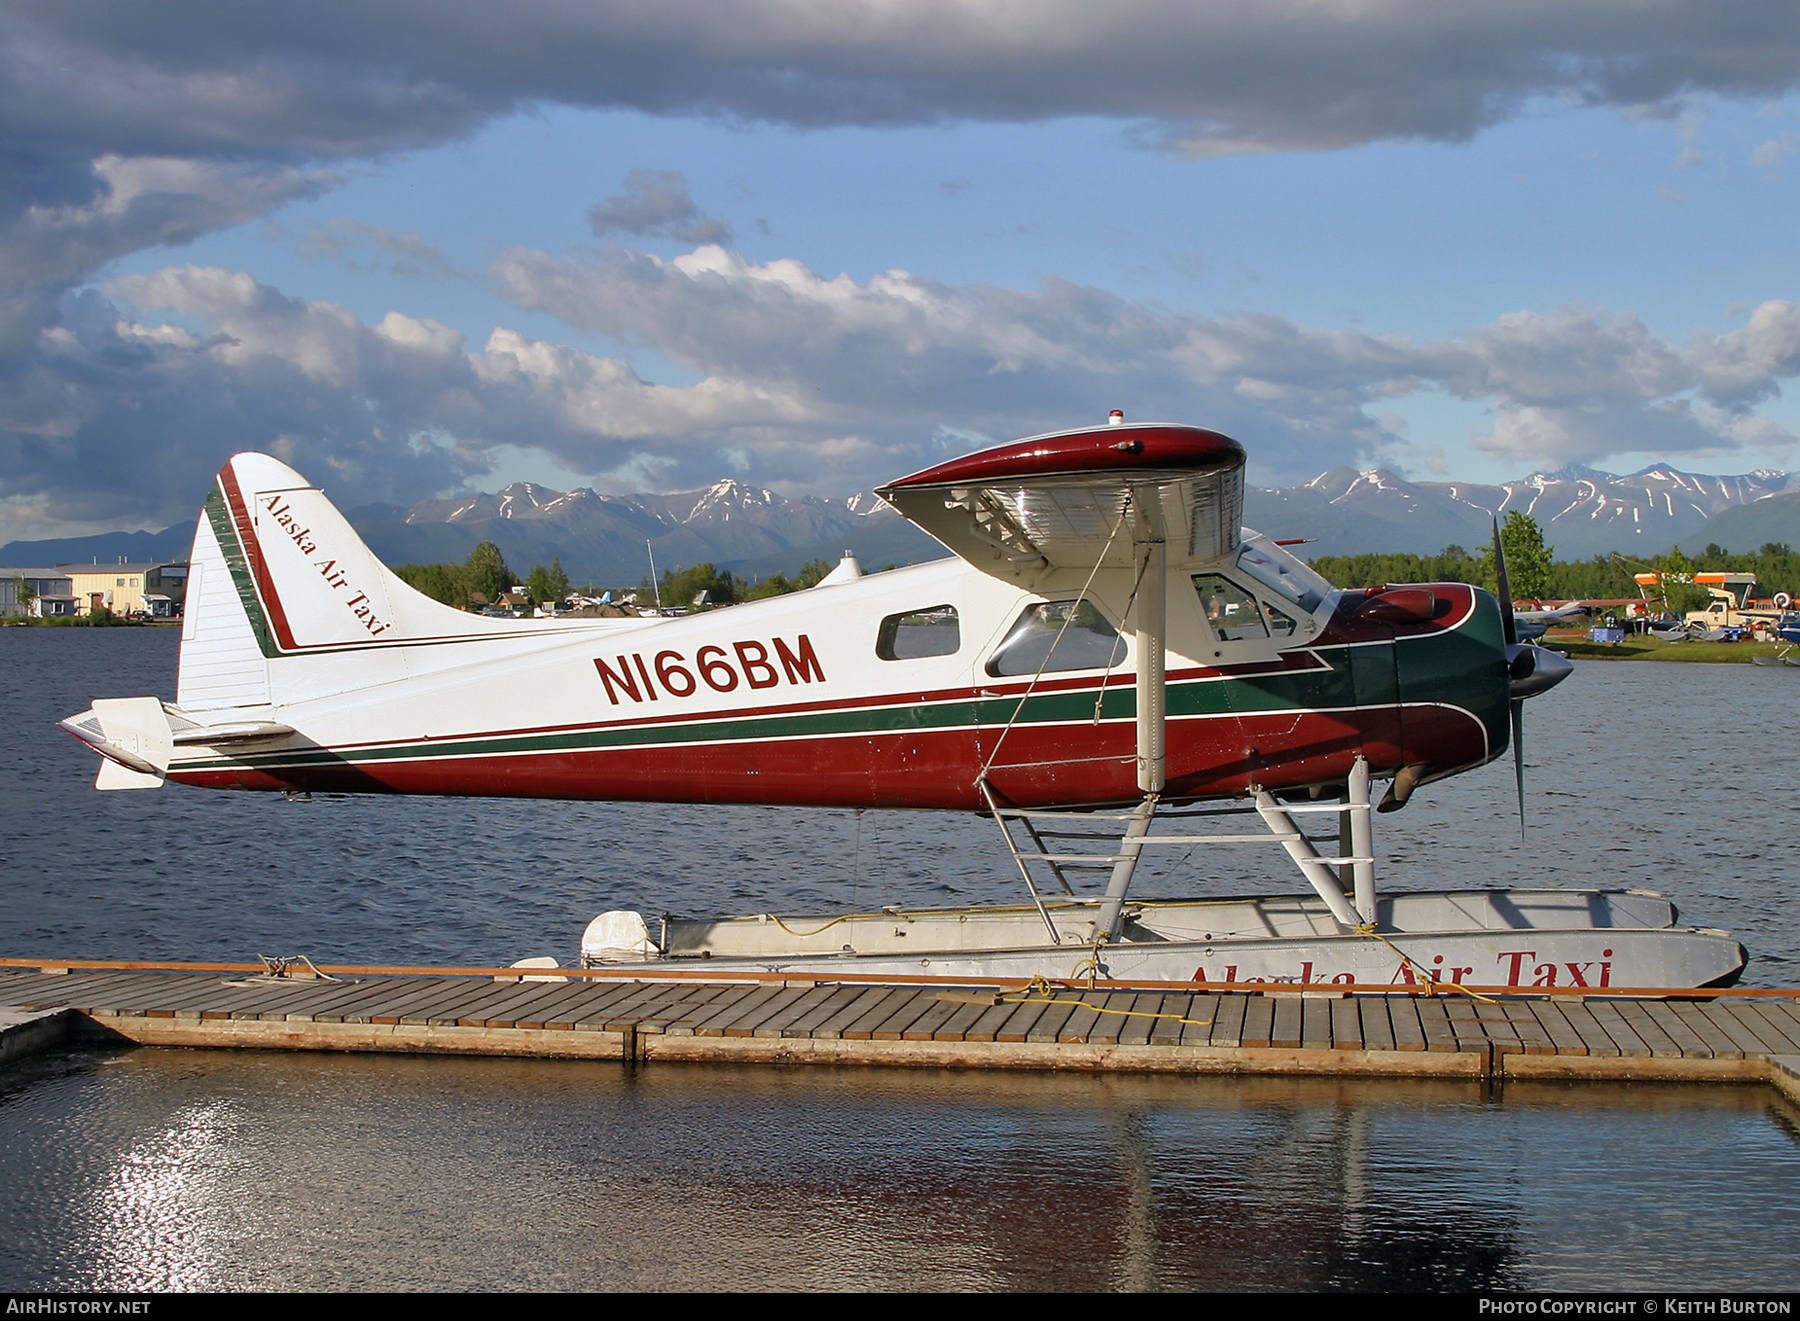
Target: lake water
{"x":182,"y":1169}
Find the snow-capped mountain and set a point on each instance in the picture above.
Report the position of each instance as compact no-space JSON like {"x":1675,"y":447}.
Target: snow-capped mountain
{"x":602,"y":538}
{"x":1582,"y":510}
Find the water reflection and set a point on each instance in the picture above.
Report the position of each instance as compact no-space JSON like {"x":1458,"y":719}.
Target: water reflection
{"x":172,"y":1169}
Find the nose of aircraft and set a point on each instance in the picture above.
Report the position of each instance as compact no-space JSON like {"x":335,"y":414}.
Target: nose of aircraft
{"x":1533,"y":670}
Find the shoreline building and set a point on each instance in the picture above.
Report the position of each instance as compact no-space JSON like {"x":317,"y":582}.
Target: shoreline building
{"x":152,"y":589}
{"x":51,"y":592}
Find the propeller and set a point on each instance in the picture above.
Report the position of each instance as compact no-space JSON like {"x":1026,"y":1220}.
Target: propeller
{"x":1515,"y":656}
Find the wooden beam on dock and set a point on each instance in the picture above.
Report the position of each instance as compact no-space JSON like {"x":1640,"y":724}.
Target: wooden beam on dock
{"x":1274,"y":1029}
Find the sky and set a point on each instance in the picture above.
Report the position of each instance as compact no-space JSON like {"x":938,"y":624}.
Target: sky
{"x":420,"y":248}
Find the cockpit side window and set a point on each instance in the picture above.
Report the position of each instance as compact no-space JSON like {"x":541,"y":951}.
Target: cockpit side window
{"x":934,"y":631}
{"x":1053,"y":636}
{"x":1231,"y":612}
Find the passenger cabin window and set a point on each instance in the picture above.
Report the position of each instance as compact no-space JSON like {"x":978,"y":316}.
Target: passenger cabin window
{"x":929,"y":632}
{"x":1057,"y":635}
{"x":1234,"y":614}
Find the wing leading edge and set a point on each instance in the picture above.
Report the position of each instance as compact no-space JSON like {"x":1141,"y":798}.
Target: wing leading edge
{"x":1066,"y":500}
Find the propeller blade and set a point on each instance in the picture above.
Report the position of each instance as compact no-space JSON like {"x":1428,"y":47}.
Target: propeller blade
{"x":1510,"y":628}
{"x":1503,"y":589}
{"x":1518,"y":742}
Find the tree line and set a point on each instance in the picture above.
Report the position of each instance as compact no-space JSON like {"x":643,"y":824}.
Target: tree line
{"x":484,"y":579}
{"x":1534,"y":573}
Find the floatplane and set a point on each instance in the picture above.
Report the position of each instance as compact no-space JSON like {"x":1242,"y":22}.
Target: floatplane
{"x":1109,"y":664}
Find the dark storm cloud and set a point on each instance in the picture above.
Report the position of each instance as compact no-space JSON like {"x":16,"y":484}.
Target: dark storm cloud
{"x":656,"y":204}
{"x":129,"y":125}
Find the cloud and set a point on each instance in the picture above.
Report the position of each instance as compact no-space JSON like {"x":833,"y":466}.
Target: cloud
{"x":334,"y":78}
{"x":804,"y":382}
{"x":130,"y":127}
{"x":1768,"y":154}
{"x":409,"y":254}
{"x":656,"y":204}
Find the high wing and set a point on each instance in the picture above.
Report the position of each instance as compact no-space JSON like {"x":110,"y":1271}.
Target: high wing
{"x":1544,"y":616}
{"x":1072,"y":500}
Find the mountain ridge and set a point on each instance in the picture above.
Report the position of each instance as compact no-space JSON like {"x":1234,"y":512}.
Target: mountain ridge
{"x":753,"y":531}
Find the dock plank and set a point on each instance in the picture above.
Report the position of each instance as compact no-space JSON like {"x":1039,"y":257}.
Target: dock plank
{"x":1136,"y":1030}
{"x":1285,"y":1030}
{"x":1049,"y":1027}
{"x":1782,"y":1033}
{"x":1259,"y":1022}
{"x":956,"y":1027}
{"x":1315,"y":1024}
{"x":1408,"y":1026}
{"x":862,"y":1028}
{"x":1375,"y":1025}
{"x":1581,"y":1018}
{"x":556,"y":1011}
{"x":1529,"y":1032}
{"x":1434,"y":1020}
{"x":444,"y":1012}
{"x":505,"y":1010}
{"x":1228,"y":1022}
{"x":1659,"y":1043}
{"x":937,"y":1014}
{"x":341,"y":1009}
{"x":840,"y":998}
{"x":386,"y":1005}
{"x":1082,"y":1023}
{"x":1202,"y":1015}
{"x":1018,"y":1025}
{"x":987,"y":1026}
{"x":804,"y":1002}
{"x":1631,"y":1044}
{"x":832,"y":1026}
{"x":321,"y":1008}
{"x":1717,"y":1044}
{"x":748,"y":1012}
{"x":659,"y":1001}
{"x":1662,"y":1015}
{"x":1738,"y":1028}
{"x":1563,"y":1037}
{"x":703,"y":1021}
{"x":1785,"y":1011}
{"x":905,"y":1013}
{"x":77,"y":990}
{"x":1346,"y":1024}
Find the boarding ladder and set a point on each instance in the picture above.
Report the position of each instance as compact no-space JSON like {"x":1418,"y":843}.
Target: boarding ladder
{"x":1052,"y":848}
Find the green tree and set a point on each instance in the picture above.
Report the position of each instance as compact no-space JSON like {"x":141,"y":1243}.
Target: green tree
{"x":681,"y":586}
{"x":1527,"y":559}
{"x":779,"y":584}
{"x":448,"y":583}
{"x":550,"y":584}
{"x":488,"y":573}
{"x":1675,"y":589}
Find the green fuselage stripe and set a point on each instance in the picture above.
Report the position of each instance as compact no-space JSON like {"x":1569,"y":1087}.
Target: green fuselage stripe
{"x":238,"y":563}
{"x":1450,"y":669}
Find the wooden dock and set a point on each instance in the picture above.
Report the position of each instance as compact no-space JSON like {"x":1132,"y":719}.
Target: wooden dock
{"x":1750,"y":1035}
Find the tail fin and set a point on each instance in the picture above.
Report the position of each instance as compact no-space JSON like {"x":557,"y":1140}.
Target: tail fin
{"x":278,"y":572}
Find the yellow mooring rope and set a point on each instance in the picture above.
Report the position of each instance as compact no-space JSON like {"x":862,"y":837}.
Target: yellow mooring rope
{"x":1049,"y":998}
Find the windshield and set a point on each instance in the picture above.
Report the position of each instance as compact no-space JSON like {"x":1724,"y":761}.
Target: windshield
{"x":1281,"y":573}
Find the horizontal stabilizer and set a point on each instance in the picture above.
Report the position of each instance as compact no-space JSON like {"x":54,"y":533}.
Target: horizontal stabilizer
{"x":132,"y":735}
